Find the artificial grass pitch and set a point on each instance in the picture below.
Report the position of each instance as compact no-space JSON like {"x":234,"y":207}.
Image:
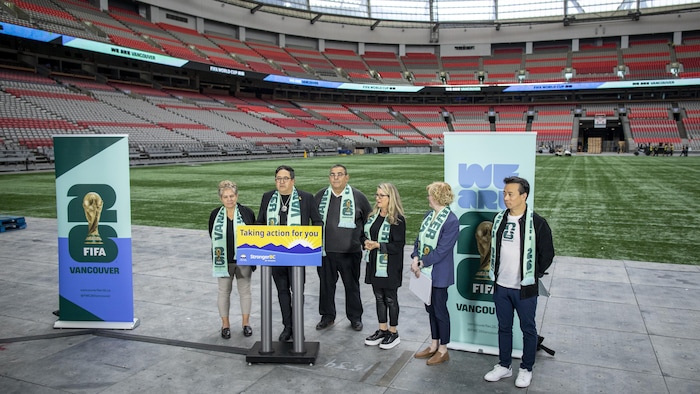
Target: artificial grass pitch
{"x":610,"y":207}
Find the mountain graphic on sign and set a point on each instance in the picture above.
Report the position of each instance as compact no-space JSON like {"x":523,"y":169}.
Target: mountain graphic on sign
{"x":296,"y":249}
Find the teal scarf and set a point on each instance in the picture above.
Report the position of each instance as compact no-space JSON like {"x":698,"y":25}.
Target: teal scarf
{"x":429,"y":233}
{"x":347,"y":209}
{"x":293,"y":213}
{"x":382,"y":259}
{"x":218,"y":242}
{"x":528,"y":257}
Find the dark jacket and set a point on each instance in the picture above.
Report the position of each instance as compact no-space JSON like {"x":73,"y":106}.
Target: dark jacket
{"x":248,"y":217}
{"x":341,"y":239}
{"x":544,"y":253}
{"x":394,"y":249}
{"x":309,"y":209}
{"x":442,"y":257}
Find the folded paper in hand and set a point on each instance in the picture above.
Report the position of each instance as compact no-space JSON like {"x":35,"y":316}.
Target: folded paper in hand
{"x":421,"y":286}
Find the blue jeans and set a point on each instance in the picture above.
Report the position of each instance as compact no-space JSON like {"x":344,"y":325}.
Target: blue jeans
{"x":506,"y":301}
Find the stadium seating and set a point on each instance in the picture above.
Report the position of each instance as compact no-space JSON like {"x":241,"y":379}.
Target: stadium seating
{"x":180,"y":123}
{"x":47,"y":15}
{"x":553,"y":125}
{"x":503,"y":65}
{"x":546,"y":63}
{"x":647,"y":59}
{"x":652,"y":123}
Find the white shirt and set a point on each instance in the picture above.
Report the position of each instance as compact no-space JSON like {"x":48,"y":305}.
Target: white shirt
{"x":509,"y":270}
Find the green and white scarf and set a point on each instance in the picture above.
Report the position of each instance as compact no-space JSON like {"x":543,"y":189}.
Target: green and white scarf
{"x":429,"y":233}
{"x":347,"y":209}
{"x":293,"y":214}
{"x":218,"y":241}
{"x":528,"y":257}
{"x":382,"y":259}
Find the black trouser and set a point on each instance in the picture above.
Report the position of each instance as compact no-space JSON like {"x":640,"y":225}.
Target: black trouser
{"x":283,"y":281}
{"x":348,"y":266}
{"x":387,"y":301}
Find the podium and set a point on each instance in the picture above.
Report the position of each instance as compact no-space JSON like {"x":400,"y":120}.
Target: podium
{"x":281,"y":246}
{"x":296,"y":352}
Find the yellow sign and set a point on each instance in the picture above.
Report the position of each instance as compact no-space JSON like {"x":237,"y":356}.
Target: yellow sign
{"x":279,"y":245}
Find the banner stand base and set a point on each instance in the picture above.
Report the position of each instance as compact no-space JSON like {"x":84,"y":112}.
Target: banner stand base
{"x":105,"y":325}
{"x":283,"y":352}
{"x":481,"y":349}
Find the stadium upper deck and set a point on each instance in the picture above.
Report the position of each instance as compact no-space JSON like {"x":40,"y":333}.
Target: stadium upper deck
{"x":173,"y":112}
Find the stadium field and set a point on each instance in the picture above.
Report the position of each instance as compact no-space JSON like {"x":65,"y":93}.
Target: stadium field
{"x":599,"y":206}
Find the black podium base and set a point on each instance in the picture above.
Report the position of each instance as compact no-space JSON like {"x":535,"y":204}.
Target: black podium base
{"x":283,"y":352}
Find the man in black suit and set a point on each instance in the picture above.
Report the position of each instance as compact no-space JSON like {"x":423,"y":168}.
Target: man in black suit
{"x":287,"y":206}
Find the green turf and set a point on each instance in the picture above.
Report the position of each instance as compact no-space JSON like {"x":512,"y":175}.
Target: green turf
{"x":610,"y":207}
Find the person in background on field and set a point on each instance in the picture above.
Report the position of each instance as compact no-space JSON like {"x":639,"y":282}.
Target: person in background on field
{"x":433,"y":255}
{"x":384,"y":240}
{"x":344,"y":210}
{"x":287,"y":206}
{"x":521,"y":252}
{"x":222,"y":229}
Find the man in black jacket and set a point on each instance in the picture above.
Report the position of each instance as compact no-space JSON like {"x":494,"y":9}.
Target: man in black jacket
{"x":287,"y":206}
{"x":521,"y":252}
{"x":344,"y":210}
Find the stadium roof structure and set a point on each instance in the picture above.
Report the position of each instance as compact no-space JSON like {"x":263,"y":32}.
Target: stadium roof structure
{"x":458,"y":13}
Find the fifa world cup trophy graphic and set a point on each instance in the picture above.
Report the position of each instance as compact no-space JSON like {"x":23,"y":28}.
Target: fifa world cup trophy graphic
{"x":483,"y":244}
{"x":92,"y":205}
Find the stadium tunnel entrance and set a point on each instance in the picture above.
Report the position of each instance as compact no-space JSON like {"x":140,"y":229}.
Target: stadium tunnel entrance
{"x":597,"y":135}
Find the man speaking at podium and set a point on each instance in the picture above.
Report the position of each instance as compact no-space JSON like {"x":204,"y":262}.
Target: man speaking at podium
{"x":287,"y":206}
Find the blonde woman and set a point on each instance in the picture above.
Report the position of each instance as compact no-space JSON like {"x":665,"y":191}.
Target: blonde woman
{"x":432,"y":256}
{"x":222,"y":228}
{"x":383,"y":241}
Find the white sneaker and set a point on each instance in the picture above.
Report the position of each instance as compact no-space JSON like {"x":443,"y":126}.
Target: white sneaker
{"x":524,"y":378}
{"x":498,"y":372}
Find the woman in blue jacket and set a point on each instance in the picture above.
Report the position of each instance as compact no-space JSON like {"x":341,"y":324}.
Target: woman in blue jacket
{"x":433,"y":256}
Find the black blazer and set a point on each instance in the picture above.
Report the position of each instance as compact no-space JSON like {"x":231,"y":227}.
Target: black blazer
{"x":394,"y":249}
{"x":309,"y":210}
{"x":544,"y":255}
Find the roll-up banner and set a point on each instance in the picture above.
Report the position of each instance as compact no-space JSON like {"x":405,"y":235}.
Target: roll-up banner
{"x":94,"y":232}
{"x":475,"y":165}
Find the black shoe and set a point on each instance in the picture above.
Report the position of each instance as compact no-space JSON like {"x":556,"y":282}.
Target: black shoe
{"x":286,"y":335}
{"x":391,"y":340}
{"x":324,"y":324}
{"x":376,"y":338}
{"x":356,"y":325}
{"x":226,"y":333}
{"x":247,"y":331}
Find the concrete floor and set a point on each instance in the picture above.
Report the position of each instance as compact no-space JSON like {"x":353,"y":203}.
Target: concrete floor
{"x":616,"y":327}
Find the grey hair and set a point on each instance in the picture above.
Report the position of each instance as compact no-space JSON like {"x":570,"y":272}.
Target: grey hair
{"x":223,"y":185}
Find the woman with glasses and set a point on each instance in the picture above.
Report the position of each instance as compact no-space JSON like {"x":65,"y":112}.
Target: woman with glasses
{"x":222,"y":229}
{"x":383,"y":241}
{"x":433,"y":256}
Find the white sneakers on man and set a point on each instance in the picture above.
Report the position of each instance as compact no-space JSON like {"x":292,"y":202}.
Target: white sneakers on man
{"x":524,"y":378}
{"x":498,"y":372}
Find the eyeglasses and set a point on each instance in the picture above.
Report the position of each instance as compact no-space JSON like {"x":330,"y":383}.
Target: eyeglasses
{"x":337,"y":174}
{"x":380,"y":195}
{"x":283,"y":179}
